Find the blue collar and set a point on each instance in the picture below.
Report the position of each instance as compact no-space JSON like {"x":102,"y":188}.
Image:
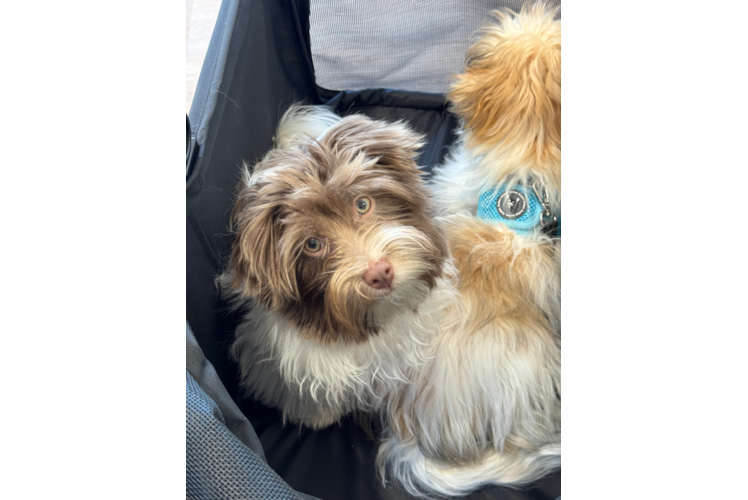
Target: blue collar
{"x":524,"y":210}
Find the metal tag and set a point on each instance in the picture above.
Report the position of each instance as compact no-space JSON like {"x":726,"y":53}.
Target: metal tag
{"x":511,"y":204}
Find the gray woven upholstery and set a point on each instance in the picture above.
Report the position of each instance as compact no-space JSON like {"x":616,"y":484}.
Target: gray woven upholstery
{"x":224,"y":456}
{"x":411,"y":45}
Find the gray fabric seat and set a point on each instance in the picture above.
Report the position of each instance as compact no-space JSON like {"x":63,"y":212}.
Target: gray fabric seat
{"x":394,"y":44}
{"x":225,"y":459}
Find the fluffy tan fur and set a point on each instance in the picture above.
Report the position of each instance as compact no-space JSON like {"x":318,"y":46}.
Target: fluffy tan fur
{"x":506,"y":278}
{"x":495,"y":375}
{"x":510,"y":95}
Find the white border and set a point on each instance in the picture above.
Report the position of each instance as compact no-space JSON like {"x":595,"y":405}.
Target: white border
{"x":701,"y":77}
{"x":568,"y":383}
{"x":568,"y":425}
{"x":568,"y":252}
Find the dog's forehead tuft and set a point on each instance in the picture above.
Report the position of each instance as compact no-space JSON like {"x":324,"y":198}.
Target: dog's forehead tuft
{"x":325,"y":204}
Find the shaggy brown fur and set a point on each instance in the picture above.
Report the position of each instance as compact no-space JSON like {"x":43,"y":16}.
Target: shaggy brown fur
{"x":309,"y":191}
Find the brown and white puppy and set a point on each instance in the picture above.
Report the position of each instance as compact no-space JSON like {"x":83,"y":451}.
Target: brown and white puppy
{"x":337,"y":250}
{"x":485,"y":409}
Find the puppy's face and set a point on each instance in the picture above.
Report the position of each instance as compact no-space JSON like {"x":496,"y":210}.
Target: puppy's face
{"x":337,"y":235}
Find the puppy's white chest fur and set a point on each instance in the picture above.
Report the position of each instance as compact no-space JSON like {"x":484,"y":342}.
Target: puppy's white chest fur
{"x":316,"y":384}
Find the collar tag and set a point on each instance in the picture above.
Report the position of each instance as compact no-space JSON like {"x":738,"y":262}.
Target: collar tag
{"x":523,"y":210}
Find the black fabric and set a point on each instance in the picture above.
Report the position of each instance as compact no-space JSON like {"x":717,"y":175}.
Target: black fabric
{"x":258,"y":64}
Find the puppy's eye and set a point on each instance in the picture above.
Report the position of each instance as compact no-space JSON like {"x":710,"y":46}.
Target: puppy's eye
{"x":313,"y":245}
{"x":363,"y":205}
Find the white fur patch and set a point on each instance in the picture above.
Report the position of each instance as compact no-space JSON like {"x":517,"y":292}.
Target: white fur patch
{"x":488,"y":396}
{"x":301,"y":122}
{"x":316,"y":384}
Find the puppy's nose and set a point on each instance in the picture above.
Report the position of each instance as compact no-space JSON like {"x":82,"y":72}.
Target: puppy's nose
{"x":379,"y":275}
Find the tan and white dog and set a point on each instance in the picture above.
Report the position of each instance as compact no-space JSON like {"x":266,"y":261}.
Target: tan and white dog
{"x":485,"y":409}
{"x":362,"y":298}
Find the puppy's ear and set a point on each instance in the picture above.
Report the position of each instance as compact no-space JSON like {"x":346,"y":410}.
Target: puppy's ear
{"x":510,"y":93}
{"x":257,"y":266}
